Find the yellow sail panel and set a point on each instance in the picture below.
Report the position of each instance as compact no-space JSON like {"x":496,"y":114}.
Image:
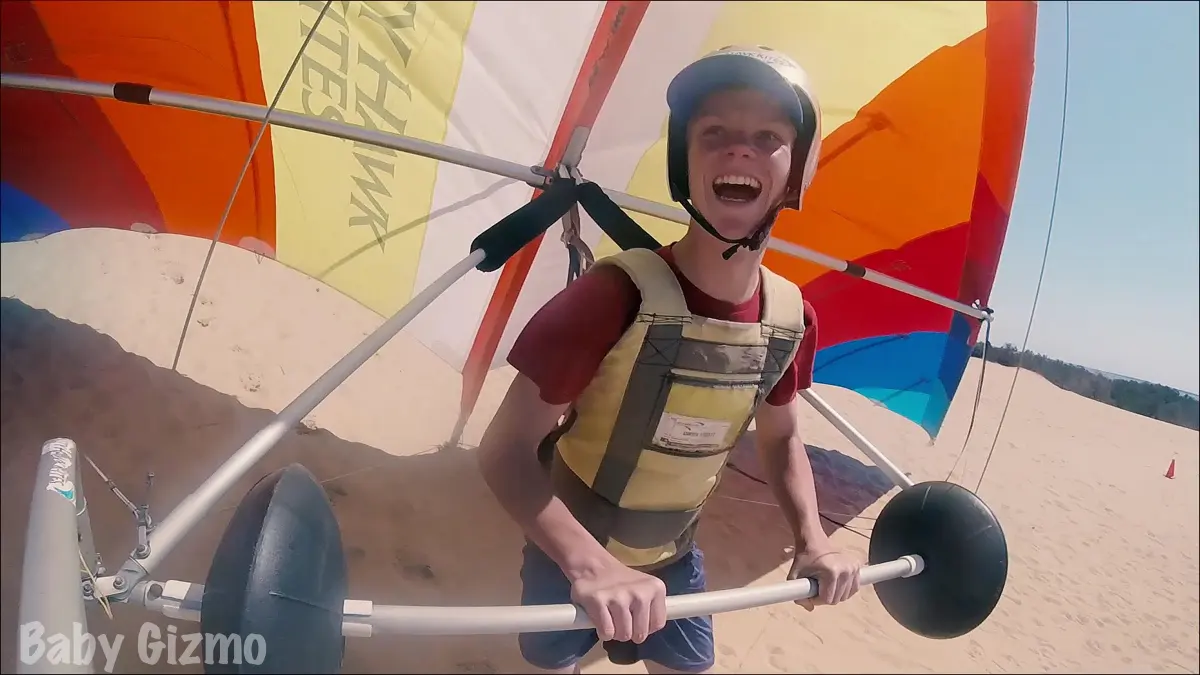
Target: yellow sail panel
{"x":351,"y":214}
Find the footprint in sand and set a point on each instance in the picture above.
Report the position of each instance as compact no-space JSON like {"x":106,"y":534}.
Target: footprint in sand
{"x":779,"y":660}
{"x":251,"y":382}
{"x":483,"y":666}
{"x":410,"y":568}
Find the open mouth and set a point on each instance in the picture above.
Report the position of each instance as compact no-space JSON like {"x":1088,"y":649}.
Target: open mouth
{"x":736,"y":189}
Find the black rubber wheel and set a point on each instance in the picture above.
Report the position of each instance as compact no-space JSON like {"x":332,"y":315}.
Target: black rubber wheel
{"x":965,"y":554}
{"x":280,"y":573}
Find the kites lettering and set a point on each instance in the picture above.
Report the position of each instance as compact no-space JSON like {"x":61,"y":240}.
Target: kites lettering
{"x":353,"y":70}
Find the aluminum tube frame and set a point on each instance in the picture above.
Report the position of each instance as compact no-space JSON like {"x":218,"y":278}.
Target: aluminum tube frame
{"x":172,"y":529}
{"x":409,"y":620}
{"x":529,"y":175}
{"x":51,"y":594}
{"x":362,"y":618}
{"x":87,"y":543}
{"x":280,"y":118}
{"x":843,"y":425}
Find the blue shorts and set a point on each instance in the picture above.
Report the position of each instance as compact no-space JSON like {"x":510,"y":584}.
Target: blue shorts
{"x":683,"y":644}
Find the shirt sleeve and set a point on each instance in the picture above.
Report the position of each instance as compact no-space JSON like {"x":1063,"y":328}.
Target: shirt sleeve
{"x":799,"y":375}
{"x":562,"y":346}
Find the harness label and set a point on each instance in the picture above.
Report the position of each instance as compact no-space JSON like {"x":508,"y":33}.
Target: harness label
{"x":680,"y":432}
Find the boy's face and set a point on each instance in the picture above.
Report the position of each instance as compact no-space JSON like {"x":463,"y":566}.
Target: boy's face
{"x":739,"y":155}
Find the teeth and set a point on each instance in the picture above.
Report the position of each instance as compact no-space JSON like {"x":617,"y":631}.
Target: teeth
{"x":732,"y":179}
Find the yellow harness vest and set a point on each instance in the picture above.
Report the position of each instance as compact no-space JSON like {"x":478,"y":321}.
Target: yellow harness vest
{"x":648,"y":438}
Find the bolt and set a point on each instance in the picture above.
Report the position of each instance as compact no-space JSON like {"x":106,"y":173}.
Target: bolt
{"x":118,"y":583}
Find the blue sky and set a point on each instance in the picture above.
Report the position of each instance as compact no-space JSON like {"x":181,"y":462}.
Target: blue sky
{"x":1121,"y":291}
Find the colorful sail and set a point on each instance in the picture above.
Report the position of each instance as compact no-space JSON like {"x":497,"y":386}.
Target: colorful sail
{"x":924,"y":116}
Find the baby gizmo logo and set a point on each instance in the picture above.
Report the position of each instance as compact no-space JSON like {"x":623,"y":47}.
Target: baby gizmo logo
{"x":80,"y":647}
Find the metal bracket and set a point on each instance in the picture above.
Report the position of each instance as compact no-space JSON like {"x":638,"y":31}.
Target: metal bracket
{"x":356,"y":615}
{"x":989,"y":313}
{"x":574,"y":152}
{"x":117,"y":587}
{"x":145,"y":524}
{"x":542,"y":171}
{"x":580,"y":253}
{"x":179,"y":599}
{"x":569,"y":166}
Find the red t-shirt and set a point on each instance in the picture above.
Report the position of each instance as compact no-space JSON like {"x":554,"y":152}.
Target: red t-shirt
{"x":562,"y":346}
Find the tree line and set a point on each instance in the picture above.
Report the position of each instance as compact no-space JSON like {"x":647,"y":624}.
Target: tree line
{"x":1144,"y":398}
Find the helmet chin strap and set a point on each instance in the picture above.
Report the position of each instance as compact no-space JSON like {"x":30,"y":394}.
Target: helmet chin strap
{"x":752,"y":242}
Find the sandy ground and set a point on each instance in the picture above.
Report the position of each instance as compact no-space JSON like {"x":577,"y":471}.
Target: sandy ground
{"x":1103,"y":577}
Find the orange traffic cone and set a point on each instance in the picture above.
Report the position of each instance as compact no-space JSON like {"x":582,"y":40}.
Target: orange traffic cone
{"x":1170,"y":470}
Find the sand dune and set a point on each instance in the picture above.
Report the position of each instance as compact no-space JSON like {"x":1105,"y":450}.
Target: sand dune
{"x":1104,"y":549}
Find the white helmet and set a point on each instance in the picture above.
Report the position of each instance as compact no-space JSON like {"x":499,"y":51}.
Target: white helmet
{"x":770,"y":71}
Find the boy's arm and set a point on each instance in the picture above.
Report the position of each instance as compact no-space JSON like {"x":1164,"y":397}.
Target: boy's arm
{"x":781,"y":449}
{"x":556,"y":356}
{"x":789,"y":473}
{"x":508,"y":460}
{"x":623,"y":604}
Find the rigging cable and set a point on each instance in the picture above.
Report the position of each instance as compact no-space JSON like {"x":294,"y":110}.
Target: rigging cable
{"x":262,"y":130}
{"x":1046,"y":251}
{"x":839,"y":523}
{"x":987,"y":341}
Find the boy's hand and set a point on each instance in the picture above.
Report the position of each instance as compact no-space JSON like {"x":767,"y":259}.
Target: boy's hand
{"x":624,"y":604}
{"x":836,"y":574}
